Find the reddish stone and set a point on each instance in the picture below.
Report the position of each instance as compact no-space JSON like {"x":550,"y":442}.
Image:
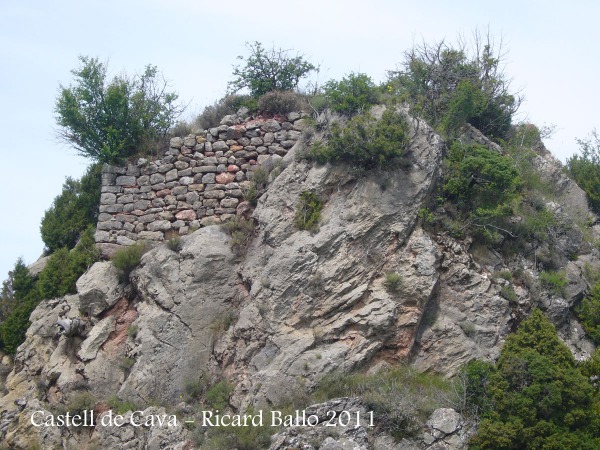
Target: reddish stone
{"x":279,"y":118}
{"x":163,"y":193}
{"x":236,"y":148}
{"x":232,"y":168}
{"x":225,"y":178}
{"x":252,"y":162}
{"x":209,"y":154}
{"x":187,"y":214}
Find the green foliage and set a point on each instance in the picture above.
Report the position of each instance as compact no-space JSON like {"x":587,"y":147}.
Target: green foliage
{"x":128,"y":258}
{"x":132,"y":331}
{"x":174,"y":244}
{"x":19,"y":299}
{"x":269,"y":70}
{"x":279,"y":102}
{"x":483,"y":183}
{"x":121,"y":406}
{"x":477,"y":378}
{"x":453,"y":85}
{"x":352,"y":95}
{"x":400,"y":398}
{"x":393,"y":281}
{"x":212,"y":114}
{"x":554,"y":281}
{"x":65,"y":266}
{"x":508,"y":293}
{"x":126,"y":364}
{"x":465,"y":103}
{"x":217,"y":396}
{"x":258,"y":185}
{"x":73,"y":210}
{"x":365,"y":142}
{"x":194,"y":389}
{"x":589,"y":314}
{"x":108,"y":121}
{"x":308,"y":211}
{"x":504,"y":274}
{"x":240,"y":438}
{"x":80,"y":402}
{"x":585,"y":169}
{"x":536,"y":396}
{"x":241,"y":231}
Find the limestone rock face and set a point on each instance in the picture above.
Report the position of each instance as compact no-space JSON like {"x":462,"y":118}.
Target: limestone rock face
{"x":98,"y":288}
{"x":296,"y":305}
{"x":183,"y":301}
{"x":323,"y":293}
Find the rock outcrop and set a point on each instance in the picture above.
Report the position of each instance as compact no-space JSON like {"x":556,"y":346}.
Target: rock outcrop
{"x":296,"y":306}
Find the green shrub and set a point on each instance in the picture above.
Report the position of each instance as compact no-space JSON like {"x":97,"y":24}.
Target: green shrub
{"x":401,"y":398}
{"x":258,"y":185}
{"x":393,"y":281}
{"x":64,"y":267}
{"x":352,"y":95}
{"x":554,"y":281}
{"x":269,"y":70}
{"x":241,"y":231}
{"x":132,"y":331}
{"x":585,"y":169}
{"x":126,"y":364}
{"x":174,"y":244}
{"x":217,"y":396}
{"x":240,"y":438}
{"x":308,"y":211}
{"x":212,"y":114}
{"x":536,"y":396}
{"x":128,"y":258}
{"x":589,"y":314}
{"x":365,"y":142}
{"x":450,"y":85}
{"x":18,"y":299}
{"x":194,"y":389}
{"x":504,"y":274}
{"x":80,"y":402}
{"x":121,"y":406}
{"x":508,"y":293}
{"x":75,"y":209}
{"x":279,"y":102}
{"x":108,"y":121}
{"x":484,"y":185}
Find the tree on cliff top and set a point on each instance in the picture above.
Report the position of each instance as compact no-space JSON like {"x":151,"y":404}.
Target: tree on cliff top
{"x":108,"y":121}
{"x":450,"y":85}
{"x":269,"y":70}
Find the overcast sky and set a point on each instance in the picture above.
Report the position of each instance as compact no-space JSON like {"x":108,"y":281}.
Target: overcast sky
{"x":552,"y":57}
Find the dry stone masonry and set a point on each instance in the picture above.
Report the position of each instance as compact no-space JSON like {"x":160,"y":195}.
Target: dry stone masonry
{"x":199,"y":180}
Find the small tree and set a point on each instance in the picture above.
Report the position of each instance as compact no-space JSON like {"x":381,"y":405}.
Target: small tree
{"x":269,"y":70}
{"x":110,"y":120}
{"x":72,"y":211}
{"x":452,"y":85}
{"x":351,"y":95}
{"x":585,"y":169}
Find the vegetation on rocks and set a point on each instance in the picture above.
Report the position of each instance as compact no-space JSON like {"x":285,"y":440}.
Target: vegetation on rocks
{"x":352,"y":94}
{"x":128,"y":258}
{"x":269,"y":70}
{"x":535,"y":396}
{"x":308,"y":211}
{"x":110,"y":120}
{"x":365,"y":142}
{"x":585,"y":169}
{"x":73,"y":211}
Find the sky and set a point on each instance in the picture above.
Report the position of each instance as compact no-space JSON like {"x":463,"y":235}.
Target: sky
{"x":551,"y":47}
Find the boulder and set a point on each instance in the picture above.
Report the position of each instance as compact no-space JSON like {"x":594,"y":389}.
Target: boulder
{"x":98,"y":288}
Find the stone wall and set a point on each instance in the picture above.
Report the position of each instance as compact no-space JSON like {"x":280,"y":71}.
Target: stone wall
{"x":199,"y":180}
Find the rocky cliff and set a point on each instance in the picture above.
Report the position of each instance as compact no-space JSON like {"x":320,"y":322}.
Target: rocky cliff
{"x":295,"y":306}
